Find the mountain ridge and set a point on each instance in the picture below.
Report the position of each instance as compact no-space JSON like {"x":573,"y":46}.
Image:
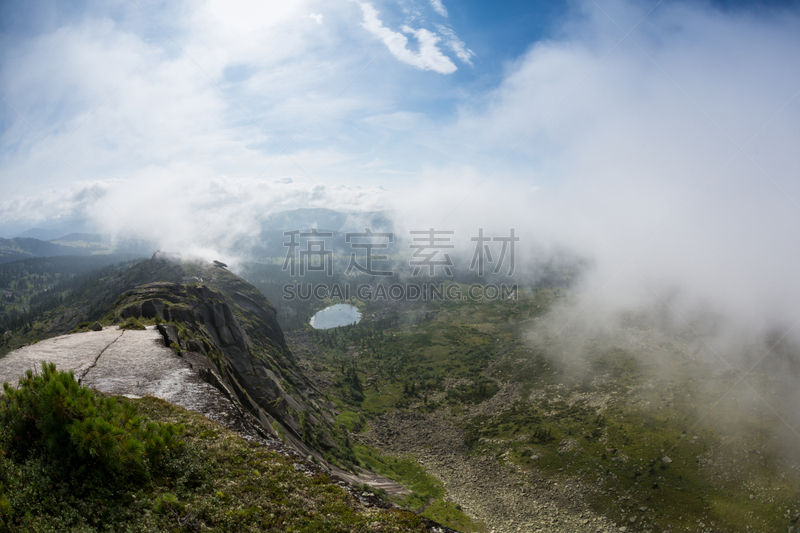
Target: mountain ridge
{"x":230,"y":330}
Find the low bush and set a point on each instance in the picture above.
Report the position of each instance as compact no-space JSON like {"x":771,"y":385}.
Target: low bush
{"x":51,"y":415}
{"x":132,"y":323}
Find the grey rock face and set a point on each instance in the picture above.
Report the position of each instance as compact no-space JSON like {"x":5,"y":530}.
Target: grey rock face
{"x":237,"y":341}
{"x":170,"y":334}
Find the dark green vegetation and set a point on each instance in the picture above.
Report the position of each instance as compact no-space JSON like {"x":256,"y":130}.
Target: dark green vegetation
{"x":47,"y":296}
{"x":50,"y":416}
{"x":211,"y":480}
{"x":25,"y":248}
{"x":640,"y":425}
{"x":401,"y":356}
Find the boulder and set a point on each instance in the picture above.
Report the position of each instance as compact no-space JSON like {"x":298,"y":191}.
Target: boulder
{"x":153,"y":308}
{"x":170,"y":334}
{"x":134,"y":311}
{"x":195,"y":345}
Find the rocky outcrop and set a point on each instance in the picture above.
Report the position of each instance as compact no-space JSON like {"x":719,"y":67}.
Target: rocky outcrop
{"x":231,"y":336}
{"x":132,"y":363}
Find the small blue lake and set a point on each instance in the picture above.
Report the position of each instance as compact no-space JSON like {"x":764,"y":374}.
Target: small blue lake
{"x":335,"y":316}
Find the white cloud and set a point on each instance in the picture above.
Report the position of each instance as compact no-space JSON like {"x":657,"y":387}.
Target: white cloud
{"x":211,"y":214}
{"x":439,"y":7}
{"x":637,"y":157}
{"x":316,"y":17}
{"x":428,"y":57}
{"x":73,"y":202}
{"x":455,"y":44}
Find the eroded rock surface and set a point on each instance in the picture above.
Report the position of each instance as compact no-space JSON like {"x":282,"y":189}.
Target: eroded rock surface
{"x":131,"y":363}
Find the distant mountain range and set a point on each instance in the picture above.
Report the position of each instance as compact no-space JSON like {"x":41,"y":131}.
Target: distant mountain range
{"x":271,"y":239}
{"x":23,"y":248}
{"x":50,"y":231}
{"x":82,"y":237}
{"x":80,"y":244}
{"x":73,"y":237}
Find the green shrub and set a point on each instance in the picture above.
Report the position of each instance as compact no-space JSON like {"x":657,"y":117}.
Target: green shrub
{"x":131,"y":323}
{"x":52,"y":415}
{"x":82,"y":327}
{"x":168,"y":502}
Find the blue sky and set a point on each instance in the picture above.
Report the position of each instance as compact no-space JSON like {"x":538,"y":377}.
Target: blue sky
{"x":655,"y":135}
